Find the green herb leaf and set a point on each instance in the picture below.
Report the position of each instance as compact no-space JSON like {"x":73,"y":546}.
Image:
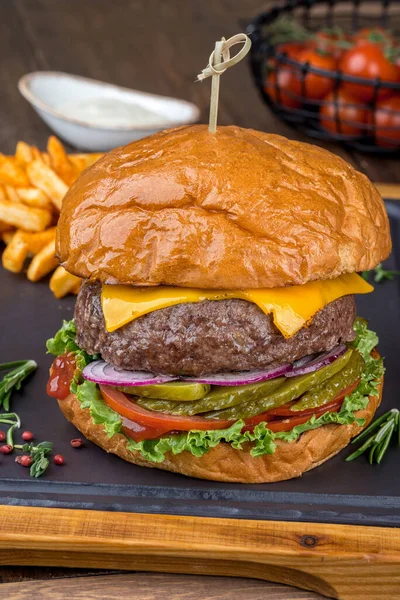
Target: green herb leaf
{"x":382,"y":430}
{"x":13,"y":380}
{"x":14,"y":421}
{"x":380,"y":274}
{"x":38,"y":454}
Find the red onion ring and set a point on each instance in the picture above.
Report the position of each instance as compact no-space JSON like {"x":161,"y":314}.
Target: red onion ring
{"x":240,"y":378}
{"x":105,"y":374}
{"x":321,"y":361}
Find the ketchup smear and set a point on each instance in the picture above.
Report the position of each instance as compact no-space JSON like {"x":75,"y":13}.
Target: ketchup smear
{"x":61,"y":374}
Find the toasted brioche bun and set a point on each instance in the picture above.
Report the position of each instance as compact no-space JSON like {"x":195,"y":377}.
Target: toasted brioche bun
{"x":224,"y":463}
{"x":236,"y":209}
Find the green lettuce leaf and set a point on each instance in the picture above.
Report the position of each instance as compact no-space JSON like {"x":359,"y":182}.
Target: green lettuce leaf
{"x":90,"y":397}
{"x":262,"y":441}
{"x":64,"y":340}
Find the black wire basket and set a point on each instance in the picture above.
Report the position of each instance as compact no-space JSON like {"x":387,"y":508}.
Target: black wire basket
{"x":304,"y":114}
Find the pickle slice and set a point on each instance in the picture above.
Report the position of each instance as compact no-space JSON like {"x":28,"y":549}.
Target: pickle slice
{"x":175,"y":391}
{"x":290,"y":390}
{"x":220,"y":397}
{"x":325,"y":392}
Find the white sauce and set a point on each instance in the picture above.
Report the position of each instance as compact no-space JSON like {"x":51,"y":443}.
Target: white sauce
{"x":110,"y":112}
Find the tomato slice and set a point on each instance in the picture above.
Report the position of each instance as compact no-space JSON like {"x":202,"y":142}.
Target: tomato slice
{"x":139,"y":432}
{"x":126,"y":408}
{"x":285,"y":410}
{"x":290,"y":422}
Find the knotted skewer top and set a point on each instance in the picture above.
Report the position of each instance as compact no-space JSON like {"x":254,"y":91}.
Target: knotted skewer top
{"x":219,"y":61}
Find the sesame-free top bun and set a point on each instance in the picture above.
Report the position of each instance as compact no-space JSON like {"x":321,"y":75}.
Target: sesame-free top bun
{"x":223,"y":462}
{"x":236,"y":209}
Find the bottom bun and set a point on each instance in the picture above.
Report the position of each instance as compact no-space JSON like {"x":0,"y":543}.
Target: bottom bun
{"x":224,"y":463}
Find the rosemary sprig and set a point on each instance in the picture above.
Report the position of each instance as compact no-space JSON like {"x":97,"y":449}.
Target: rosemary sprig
{"x":18,"y":371}
{"x":14,"y":421}
{"x":286,"y":29}
{"x":380,"y":274}
{"x":382,"y":430}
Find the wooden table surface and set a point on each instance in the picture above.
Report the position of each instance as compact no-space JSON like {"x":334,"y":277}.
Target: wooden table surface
{"x":158,"y":47}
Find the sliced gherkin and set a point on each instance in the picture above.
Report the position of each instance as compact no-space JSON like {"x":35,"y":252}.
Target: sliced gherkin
{"x":175,"y":391}
{"x":219,"y":398}
{"x":290,"y":390}
{"x":323,"y":394}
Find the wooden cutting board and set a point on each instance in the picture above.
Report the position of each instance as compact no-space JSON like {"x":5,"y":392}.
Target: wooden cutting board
{"x":339,"y":561}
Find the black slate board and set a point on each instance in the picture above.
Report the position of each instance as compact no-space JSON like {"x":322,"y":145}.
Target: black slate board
{"x":337,"y":492}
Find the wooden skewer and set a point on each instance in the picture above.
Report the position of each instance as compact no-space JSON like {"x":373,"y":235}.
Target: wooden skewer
{"x":220,"y":60}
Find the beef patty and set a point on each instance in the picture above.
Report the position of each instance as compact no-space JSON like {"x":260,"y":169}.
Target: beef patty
{"x":206,"y":337}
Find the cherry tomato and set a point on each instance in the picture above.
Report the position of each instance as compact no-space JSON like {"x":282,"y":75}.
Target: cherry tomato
{"x":331,"y":42}
{"x":374,"y":35}
{"x":342,"y":114}
{"x":370,"y":62}
{"x":125,"y":407}
{"x":387,"y":122}
{"x":317,"y":86}
{"x":291,"y":49}
{"x":283,"y":87}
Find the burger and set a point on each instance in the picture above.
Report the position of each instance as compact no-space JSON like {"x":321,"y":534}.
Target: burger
{"x":215,"y":332}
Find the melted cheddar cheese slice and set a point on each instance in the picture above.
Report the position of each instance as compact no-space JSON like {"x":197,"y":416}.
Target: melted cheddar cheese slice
{"x":291,"y":307}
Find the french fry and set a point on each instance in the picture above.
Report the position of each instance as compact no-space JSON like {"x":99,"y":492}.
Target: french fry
{"x":33,"y":197}
{"x":42,"y":263}
{"x":23,"y":243}
{"x":4,"y":227}
{"x":11,"y":194}
{"x":45,"y":179}
{"x":16,"y":253}
{"x":82,"y":161}
{"x":63,"y":283}
{"x":7,"y":236}
{"x":46,"y":159}
{"x":60,"y":162}
{"x":23,"y":154}
{"x":25,"y":217}
{"x":36,"y":154}
{"x":32,"y":183}
{"x":37,"y":241}
{"x":11,"y":173}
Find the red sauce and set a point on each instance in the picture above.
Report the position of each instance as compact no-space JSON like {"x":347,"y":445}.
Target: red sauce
{"x":61,"y":374}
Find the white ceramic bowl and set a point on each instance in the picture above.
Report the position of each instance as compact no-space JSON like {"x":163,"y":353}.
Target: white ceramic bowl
{"x":47,"y":91}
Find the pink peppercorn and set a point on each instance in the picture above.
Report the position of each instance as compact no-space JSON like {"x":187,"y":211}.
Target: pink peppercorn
{"x":58,"y":459}
{"x":6,"y":449}
{"x":2,"y":436}
{"x":27,"y":436}
{"x":77,"y":443}
{"x":25,"y":461}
